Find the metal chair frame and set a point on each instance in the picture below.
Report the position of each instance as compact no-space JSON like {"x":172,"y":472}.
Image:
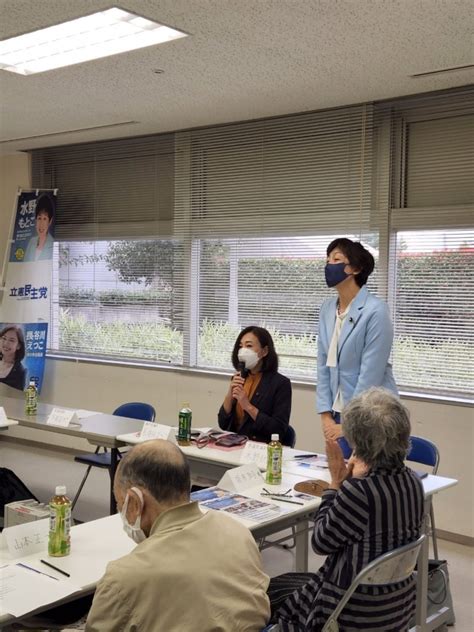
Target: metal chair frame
{"x":119,"y":412}
{"x":389,"y":568}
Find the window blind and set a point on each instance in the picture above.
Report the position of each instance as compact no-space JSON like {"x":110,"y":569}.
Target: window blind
{"x":264,"y":201}
{"x":434,"y":311}
{"x":169,"y":244}
{"x":433,"y":228}
{"x":117,"y":267}
{"x":111,"y":190}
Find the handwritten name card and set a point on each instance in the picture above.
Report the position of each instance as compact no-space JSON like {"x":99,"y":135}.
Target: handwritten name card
{"x":151,"y":430}
{"x":255,"y":452}
{"x":24,"y":539}
{"x":241,"y":478}
{"x":62,"y":417}
{"x":3,"y":417}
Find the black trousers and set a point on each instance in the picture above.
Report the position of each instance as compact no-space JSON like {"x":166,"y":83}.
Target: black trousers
{"x":282,"y":586}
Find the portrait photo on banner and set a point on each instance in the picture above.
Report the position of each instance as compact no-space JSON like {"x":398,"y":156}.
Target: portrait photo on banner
{"x":33,"y":233}
{"x":22,"y":354}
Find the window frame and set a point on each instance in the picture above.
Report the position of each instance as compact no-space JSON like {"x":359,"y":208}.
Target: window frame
{"x":389,"y":215}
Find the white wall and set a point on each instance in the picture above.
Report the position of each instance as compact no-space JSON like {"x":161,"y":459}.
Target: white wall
{"x":102,"y":387}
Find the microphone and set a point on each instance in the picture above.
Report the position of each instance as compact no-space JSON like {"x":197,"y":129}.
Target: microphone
{"x":242,"y":370}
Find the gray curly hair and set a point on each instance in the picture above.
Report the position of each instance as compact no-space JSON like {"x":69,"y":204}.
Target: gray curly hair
{"x":377,"y":426}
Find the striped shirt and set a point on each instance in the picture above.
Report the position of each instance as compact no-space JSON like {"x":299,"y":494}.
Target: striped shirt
{"x":367,"y":517}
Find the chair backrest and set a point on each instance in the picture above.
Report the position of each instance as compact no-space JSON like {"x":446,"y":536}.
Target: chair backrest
{"x":136,"y":410}
{"x":389,"y":568}
{"x":423,"y":451}
{"x":289,"y":438}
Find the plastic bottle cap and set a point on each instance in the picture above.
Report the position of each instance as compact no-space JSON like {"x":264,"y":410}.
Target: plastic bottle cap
{"x":32,"y":382}
{"x":275,"y":437}
{"x":60,"y":490}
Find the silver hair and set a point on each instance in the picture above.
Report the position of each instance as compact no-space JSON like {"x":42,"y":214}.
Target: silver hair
{"x":377,"y":426}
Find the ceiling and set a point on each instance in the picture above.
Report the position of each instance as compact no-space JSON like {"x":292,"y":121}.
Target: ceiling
{"x":244,"y":59}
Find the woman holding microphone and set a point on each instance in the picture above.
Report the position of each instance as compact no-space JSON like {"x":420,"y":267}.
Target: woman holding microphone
{"x":258,"y":401}
{"x":355,"y":336}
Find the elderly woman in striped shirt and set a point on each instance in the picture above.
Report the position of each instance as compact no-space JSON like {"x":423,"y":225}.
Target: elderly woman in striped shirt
{"x":372,"y":506}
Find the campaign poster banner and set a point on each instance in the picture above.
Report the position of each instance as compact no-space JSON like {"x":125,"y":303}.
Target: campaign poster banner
{"x":27,"y":292}
{"x":22,"y":354}
{"x":26,"y":298}
{"x":33,"y":231}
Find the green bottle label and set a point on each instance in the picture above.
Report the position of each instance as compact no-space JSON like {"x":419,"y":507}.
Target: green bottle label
{"x":31,"y":395}
{"x":184,"y":426}
{"x":59,"y":543}
{"x":274,"y":464}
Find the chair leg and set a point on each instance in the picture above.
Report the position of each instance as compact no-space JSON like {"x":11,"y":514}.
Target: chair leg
{"x":76,"y":497}
{"x":433,"y":533}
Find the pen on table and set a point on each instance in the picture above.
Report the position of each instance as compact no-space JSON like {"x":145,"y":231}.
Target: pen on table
{"x":283,"y":500}
{"x":55,"y":568}
{"x":306,"y":456}
{"x":35,"y":570}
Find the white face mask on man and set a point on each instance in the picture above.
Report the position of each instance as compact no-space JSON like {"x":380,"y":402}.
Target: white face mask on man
{"x":249,"y":357}
{"x":133,"y":531}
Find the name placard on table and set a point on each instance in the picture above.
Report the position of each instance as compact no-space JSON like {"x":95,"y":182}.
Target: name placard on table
{"x":3,"y":417}
{"x":62,"y":417}
{"x":240,"y":478}
{"x":151,"y":430}
{"x":24,"y":539}
{"x":255,"y":452}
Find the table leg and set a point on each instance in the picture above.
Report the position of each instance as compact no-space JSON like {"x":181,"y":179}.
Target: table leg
{"x":301,"y":549}
{"x":113,"y":468}
{"x":422,"y":574}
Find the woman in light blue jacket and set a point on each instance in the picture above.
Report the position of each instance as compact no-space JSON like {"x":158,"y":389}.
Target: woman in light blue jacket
{"x":355,"y":336}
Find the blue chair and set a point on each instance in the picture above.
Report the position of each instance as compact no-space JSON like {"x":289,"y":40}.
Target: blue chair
{"x":425,"y":452}
{"x":135,"y":410}
{"x":289,"y":438}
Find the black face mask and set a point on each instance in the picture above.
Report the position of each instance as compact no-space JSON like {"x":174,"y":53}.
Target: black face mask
{"x":334,"y":273}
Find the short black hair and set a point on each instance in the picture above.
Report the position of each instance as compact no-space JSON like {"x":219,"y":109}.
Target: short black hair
{"x":359,"y":257}
{"x":164,"y":473}
{"x":270,"y":361}
{"x":44,"y":204}
{"x":20,"y":353}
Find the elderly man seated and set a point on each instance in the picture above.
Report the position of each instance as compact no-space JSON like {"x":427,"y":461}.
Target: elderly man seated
{"x":373,"y":505}
{"x":190,"y":571}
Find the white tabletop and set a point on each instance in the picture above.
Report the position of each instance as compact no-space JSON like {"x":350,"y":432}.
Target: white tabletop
{"x":4,"y":425}
{"x":93,"y":545}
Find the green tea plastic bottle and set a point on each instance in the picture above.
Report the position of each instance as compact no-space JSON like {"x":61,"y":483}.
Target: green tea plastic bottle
{"x":274,"y":461}
{"x":59,"y":543}
{"x":31,"y":397}
{"x":184,"y":425}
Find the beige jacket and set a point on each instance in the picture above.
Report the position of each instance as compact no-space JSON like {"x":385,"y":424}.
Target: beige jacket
{"x":197,"y":572}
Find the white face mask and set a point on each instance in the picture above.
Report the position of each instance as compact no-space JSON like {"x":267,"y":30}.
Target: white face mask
{"x":133,"y":531}
{"x":249,"y":357}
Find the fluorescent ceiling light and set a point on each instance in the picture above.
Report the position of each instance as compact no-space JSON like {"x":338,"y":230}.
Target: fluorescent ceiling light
{"x":98,"y":35}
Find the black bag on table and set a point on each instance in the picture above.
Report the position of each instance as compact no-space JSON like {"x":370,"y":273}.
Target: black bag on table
{"x":11,"y":489}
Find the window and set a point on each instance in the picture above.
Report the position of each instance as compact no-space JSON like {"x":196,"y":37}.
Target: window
{"x":118,"y":299}
{"x":274,"y":282}
{"x":169,"y":244}
{"x":434,"y":311}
